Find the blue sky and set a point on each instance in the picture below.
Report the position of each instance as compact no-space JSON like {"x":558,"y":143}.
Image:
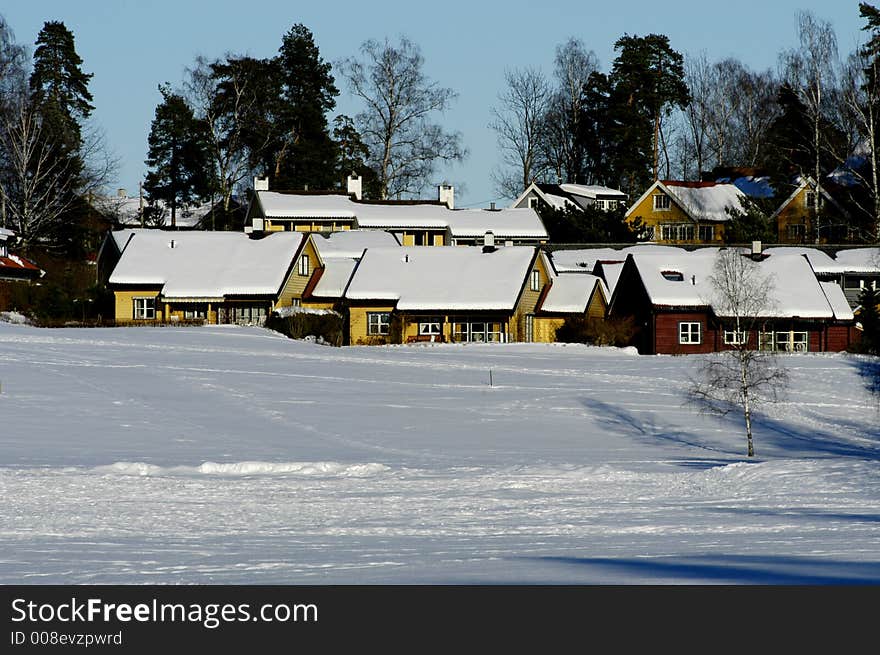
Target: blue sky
{"x":131,"y":46}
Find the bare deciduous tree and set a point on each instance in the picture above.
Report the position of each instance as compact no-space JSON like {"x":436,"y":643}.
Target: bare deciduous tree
{"x":518,"y":122}
{"x":397,"y":125}
{"x":811,"y":71}
{"x":564,"y":149}
{"x":35,"y":187}
{"x":744,"y":376}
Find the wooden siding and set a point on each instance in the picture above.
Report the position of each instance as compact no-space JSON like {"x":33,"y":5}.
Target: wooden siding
{"x":357,"y":321}
{"x":666,"y":333}
{"x":125,"y":303}
{"x":528,"y":300}
{"x":296,"y":283}
{"x":654,"y":218}
{"x":796,"y":212}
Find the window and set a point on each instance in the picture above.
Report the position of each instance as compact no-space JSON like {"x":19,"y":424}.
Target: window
{"x":144,"y":308}
{"x":706,"y":232}
{"x":530,"y":328}
{"x":194,"y":312}
{"x":478,"y":331}
{"x":673,"y":276}
{"x":689,"y":333}
{"x":304,"y":265}
{"x":810,"y":199}
{"x":677,"y":232}
{"x":536,"y":280}
{"x":533,"y":202}
{"x":734,"y":338}
{"x":248,"y":314}
{"x":796,"y":232}
{"x":430,"y":326}
{"x":785,"y":341}
{"x":378,"y":323}
{"x":661,"y":202}
{"x":647,"y":233}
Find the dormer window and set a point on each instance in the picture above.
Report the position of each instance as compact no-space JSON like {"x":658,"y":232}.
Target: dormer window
{"x":673,"y":276}
{"x":533,"y":202}
{"x":810,"y":200}
{"x":661,"y":202}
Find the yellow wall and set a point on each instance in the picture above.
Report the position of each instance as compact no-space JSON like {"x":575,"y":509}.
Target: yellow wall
{"x":795,"y":213}
{"x":125,"y":304}
{"x":357,"y":329}
{"x":312,"y":304}
{"x":651,"y":217}
{"x":296,"y":283}
{"x":528,"y":301}
{"x":546,"y":326}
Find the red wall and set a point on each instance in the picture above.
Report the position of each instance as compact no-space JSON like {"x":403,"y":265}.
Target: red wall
{"x":666,"y":333}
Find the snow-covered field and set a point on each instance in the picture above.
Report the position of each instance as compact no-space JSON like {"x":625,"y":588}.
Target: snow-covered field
{"x":235,"y":455}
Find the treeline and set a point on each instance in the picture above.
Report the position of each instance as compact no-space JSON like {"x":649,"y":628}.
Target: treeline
{"x":654,"y":113}
{"x":657,"y":114}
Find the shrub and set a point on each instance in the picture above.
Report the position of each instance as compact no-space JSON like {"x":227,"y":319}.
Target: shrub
{"x":597,"y":331}
{"x":327,"y":325}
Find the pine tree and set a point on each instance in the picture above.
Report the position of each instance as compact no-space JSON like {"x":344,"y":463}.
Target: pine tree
{"x":59,"y":90}
{"x":177,"y":155}
{"x":304,"y":154}
{"x":647,"y":83}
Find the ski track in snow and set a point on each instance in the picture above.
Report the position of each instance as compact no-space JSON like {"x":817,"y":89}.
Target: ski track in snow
{"x":230,"y":455}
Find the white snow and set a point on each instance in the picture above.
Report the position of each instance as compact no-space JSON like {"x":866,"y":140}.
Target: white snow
{"x":14,"y":317}
{"x":290,"y":311}
{"x":570,"y":293}
{"x":337,"y":273}
{"x":350,"y":244}
{"x":453,"y":278}
{"x":583,"y":259}
{"x":207,"y":264}
{"x":224,"y":454}
{"x":796,"y":291}
{"x":706,"y":202}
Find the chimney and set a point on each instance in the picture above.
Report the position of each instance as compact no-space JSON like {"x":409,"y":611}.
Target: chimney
{"x":355,"y":186}
{"x":489,"y":242}
{"x":491,"y":206}
{"x":172,"y":244}
{"x":756,"y":251}
{"x":120,"y":193}
{"x":261,"y":183}
{"x":446,"y":193}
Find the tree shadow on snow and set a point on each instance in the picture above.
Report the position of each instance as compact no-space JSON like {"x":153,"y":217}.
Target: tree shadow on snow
{"x":799,"y":513}
{"x":728,"y":569}
{"x":619,"y":420}
{"x":868,"y":369}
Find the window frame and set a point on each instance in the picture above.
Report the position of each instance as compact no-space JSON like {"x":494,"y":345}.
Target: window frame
{"x":304,"y":265}
{"x":431,"y":326}
{"x":377,"y":326}
{"x":149,"y":306}
{"x":662,"y":202}
{"x":686,"y":334}
{"x":535,"y":280}
{"x":736,"y":337}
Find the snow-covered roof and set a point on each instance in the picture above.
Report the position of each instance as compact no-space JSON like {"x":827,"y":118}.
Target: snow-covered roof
{"x":819,"y":260}
{"x":207,"y":264}
{"x":126,"y":209}
{"x":351,"y":243}
{"x":592,"y":191}
{"x":504,"y":223}
{"x":706,"y":201}
{"x":6,"y":234}
{"x":611,"y":271}
{"x":837,"y":300}
{"x":858,"y":260}
{"x":570,"y":293}
{"x":583,"y":259}
{"x":337,"y":273}
{"x":420,"y":278}
{"x":683,"y":281}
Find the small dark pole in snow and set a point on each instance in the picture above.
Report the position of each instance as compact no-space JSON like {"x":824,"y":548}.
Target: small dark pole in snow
{"x":490,"y":377}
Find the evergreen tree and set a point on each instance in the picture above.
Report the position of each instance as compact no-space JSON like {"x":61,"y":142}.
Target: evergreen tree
{"x":595,"y":129}
{"x":59,"y":90}
{"x":304,"y":153}
{"x":352,"y":155}
{"x":590,"y":225}
{"x":752,"y":224}
{"x":647,"y":80}
{"x":177,"y":155}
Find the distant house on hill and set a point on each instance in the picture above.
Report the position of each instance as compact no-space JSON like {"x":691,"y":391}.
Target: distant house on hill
{"x":210,"y":277}
{"x":670,"y":297}
{"x":413,"y":223}
{"x":810,"y":209}
{"x":673,"y":211}
{"x":576,"y":196}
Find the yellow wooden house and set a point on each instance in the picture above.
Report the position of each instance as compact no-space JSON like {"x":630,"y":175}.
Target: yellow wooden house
{"x":411,"y":294}
{"x":208,"y":277}
{"x":673,"y":211}
{"x":807,"y":209}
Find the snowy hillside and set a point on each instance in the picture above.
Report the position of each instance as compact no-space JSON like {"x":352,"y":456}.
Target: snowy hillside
{"x":235,"y":455}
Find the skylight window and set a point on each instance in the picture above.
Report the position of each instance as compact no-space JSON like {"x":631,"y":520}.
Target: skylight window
{"x":673,"y":276}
